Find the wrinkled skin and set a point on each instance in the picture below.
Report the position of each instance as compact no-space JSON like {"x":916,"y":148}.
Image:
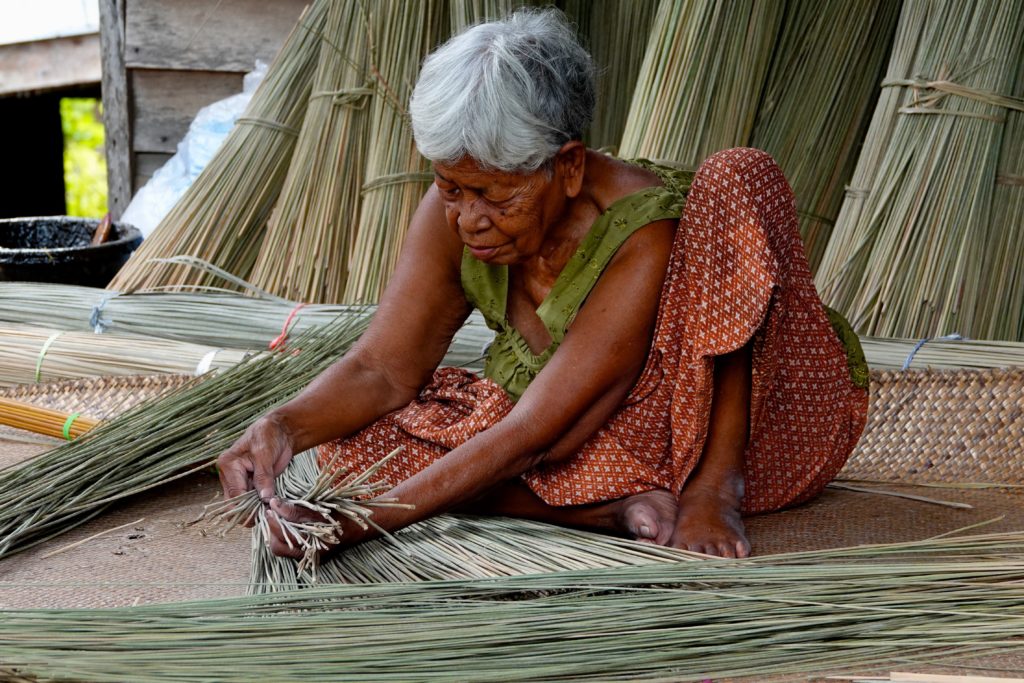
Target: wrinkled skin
{"x":532,"y":222}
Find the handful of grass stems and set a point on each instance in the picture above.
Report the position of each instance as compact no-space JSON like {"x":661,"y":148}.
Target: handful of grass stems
{"x":158,"y":441}
{"x":332,"y":493}
{"x":779,"y":615}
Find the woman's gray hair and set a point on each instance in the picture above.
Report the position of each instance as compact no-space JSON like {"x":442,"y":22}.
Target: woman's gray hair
{"x":507,"y":93}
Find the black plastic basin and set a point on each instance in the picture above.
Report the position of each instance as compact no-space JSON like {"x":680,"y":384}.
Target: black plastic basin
{"x":56,"y":249}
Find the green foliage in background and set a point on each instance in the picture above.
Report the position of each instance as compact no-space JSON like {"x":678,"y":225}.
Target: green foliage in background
{"x":85,"y":167}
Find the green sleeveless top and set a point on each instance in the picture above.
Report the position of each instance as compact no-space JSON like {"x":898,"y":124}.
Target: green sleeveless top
{"x":510,"y":362}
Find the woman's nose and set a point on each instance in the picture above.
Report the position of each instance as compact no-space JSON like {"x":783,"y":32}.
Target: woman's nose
{"x":472,"y":218}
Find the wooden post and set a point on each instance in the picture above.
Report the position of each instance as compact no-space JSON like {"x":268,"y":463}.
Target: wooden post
{"x":116,"y":106}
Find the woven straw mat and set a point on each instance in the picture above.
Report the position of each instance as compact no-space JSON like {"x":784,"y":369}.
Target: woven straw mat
{"x":923,"y":426}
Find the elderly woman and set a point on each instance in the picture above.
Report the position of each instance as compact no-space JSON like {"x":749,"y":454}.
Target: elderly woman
{"x":662,"y":363}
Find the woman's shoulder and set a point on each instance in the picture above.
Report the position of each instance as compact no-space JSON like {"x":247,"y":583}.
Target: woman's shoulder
{"x":613,"y":179}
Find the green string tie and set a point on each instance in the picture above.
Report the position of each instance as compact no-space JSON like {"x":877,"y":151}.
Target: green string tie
{"x":67,"y":424}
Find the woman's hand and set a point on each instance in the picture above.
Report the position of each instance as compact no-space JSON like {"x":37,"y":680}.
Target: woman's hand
{"x":283,"y":544}
{"x":255,"y":460}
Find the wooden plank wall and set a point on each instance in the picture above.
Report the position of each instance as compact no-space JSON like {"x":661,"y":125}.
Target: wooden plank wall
{"x":179,"y":56}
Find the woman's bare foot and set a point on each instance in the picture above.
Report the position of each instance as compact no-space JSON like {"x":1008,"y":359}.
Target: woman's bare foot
{"x":709,"y":522}
{"x":649,"y":516}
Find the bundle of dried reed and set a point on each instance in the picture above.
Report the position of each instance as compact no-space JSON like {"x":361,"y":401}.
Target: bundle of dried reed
{"x":211,"y":317}
{"x":35,"y":354}
{"x":615,"y":32}
{"x":222,"y":216}
{"x":907,"y":257}
{"x":817,"y":102}
{"x":941,"y":353}
{"x":396,"y":176}
{"x":701,"y":80}
{"x":306,"y":250}
{"x":1000,"y":307}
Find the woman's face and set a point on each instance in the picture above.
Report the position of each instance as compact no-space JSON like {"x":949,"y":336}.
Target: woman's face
{"x":502,"y":218}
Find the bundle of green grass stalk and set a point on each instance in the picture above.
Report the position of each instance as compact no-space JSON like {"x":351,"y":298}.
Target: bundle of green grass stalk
{"x":805,"y":612}
{"x":205,"y":320}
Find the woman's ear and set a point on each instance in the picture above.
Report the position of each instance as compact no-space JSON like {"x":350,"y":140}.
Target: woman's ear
{"x":570,"y":162}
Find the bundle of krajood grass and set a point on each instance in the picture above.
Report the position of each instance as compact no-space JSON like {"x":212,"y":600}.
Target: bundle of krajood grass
{"x":1000,"y":310}
{"x":701,"y":79}
{"x":941,"y":354}
{"x":907,"y":257}
{"x":309,"y":238}
{"x":615,"y":32}
{"x":157,"y":441}
{"x":206,"y":316}
{"x":817,"y":101}
{"x":35,"y":354}
{"x":222,"y":216}
{"x":773,"y":616}
{"x":396,"y":176}
{"x":466,"y":13}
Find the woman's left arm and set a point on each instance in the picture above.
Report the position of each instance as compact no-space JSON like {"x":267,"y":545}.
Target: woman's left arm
{"x":587,"y":378}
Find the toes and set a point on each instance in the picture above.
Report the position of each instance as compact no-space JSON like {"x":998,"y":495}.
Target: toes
{"x":742,"y":548}
{"x":664,"y":534}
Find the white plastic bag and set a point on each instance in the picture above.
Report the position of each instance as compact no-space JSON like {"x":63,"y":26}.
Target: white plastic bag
{"x":205,"y":135}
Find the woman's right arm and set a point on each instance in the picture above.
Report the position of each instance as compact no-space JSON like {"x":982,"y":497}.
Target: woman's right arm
{"x":419,"y":313}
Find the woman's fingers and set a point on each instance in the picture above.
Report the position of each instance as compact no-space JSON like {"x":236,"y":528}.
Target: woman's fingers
{"x":281,"y":541}
{"x":263,"y":477}
{"x":233,"y":473}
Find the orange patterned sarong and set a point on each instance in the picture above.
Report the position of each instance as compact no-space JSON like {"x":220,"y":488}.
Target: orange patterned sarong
{"x":737,"y":272}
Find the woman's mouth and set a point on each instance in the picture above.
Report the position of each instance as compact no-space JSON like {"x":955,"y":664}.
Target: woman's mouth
{"x":482,"y":253}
